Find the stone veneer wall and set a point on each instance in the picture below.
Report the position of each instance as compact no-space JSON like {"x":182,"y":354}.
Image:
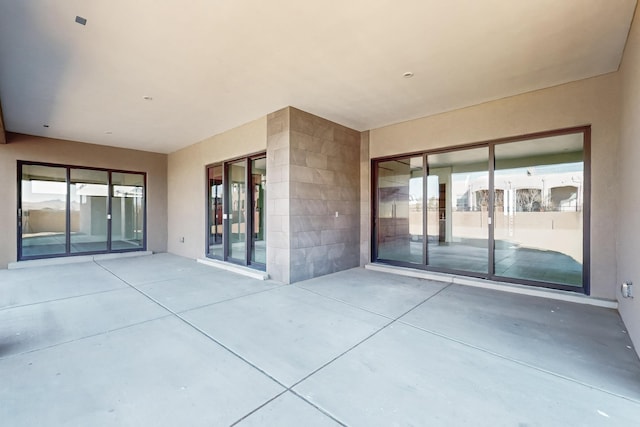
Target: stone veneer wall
{"x":278,"y":165}
{"x":365,"y":200}
{"x":314,"y":173}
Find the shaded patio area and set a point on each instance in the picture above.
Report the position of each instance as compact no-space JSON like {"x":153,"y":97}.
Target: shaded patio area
{"x":161,"y":340}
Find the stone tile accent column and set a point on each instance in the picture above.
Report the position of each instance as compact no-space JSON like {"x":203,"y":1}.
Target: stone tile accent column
{"x":278,"y":230}
{"x":365,"y":200}
{"x":313,"y":196}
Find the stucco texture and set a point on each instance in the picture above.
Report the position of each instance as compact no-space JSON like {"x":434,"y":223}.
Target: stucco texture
{"x":187,"y":186}
{"x":592,"y":102}
{"x":628,"y":168}
{"x":47,"y":150}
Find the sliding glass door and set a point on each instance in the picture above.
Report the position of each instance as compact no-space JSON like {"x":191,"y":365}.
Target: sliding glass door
{"x":539,"y":221}
{"x":65,"y":210}
{"x":127,"y":211}
{"x":216,"y":224}
{"x":399,"y":215}
{"x":89,"y":207}
{"x":258,"y":212}
{"x":236,"y":211}
{"x":457,"y":184}
{"x":43,"y":211}
{"x":511,"y":210}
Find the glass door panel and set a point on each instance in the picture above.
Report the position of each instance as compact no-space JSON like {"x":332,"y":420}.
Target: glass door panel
{"x":539,"y":209}
{"x":457,"y":210}
{"x":399,"y":213}
{"x":43,"y":222}
{"x":216,"y":224}
{"x":127,"y":211}
{"x":237,"y":187}
{"x":89,"y":190}
{"x":258,"y":203}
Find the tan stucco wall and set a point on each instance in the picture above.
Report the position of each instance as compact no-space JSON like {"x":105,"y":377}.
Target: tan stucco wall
{"x":627,"y":190}
{"x":187,"y":182}
{"x":31,"y":148}
{"x":593,"y":101}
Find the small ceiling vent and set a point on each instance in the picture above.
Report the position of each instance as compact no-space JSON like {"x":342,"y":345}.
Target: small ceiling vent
{"x":80,"y":20}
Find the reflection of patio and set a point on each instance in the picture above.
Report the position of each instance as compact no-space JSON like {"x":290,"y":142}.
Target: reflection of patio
{"x":472,"y":255}
{"x":54,"y":243}
{"x":259,"y":249}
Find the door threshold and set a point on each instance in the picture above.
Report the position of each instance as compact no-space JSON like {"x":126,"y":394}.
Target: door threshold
{"x":497,"y":286}
{"x":234,"y":268}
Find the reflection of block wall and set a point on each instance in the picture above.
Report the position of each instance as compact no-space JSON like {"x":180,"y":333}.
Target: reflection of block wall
{"x":549,"y":231}
{"x":48,"y":221}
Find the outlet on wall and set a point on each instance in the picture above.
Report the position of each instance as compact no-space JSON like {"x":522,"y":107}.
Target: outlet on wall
{"x":627,"y":290}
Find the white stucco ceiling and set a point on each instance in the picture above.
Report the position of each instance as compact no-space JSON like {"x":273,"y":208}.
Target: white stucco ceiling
{"x":211,"y":65}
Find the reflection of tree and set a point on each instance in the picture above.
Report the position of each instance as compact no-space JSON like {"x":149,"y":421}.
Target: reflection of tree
{"x":482,"y":199}
{"x":528,"y":200}
{"x":499,"y":199}
{"x":433,"y":203}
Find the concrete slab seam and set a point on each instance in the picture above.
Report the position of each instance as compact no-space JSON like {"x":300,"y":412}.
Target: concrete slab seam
{"x":324,"y":411}
{"x":346,"y":302}
{"x":247,"y":415}
{"x":290,"y":388}
{"x":385,"y":326}
{"x":202,"y":332}
{"x":253,"y":411}
{"x":229,"y":299}
{"x":9,"y":307}
{"x":521,"y":363}
{"x":85,"y":337}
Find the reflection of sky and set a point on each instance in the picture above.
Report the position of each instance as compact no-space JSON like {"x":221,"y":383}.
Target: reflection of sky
{"x":465,"y":177}
{"x":415,"y":188}
{"x":42,"y":191}
{"x":543,"y":170}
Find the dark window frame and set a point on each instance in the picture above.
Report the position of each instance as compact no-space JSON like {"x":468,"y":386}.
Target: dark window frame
{"x":247,"y":262}
{"x":68,"y":253}
{"x":491,"y":144}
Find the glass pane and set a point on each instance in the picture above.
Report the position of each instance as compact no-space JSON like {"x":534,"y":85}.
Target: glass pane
{"x":259,"y":186}
{"x":89,"y":204}
{"x":127,"y":211}
{"x":539,"y":201}
{"x":237,"y":213}
{"x":216,"y":226}
{"x":457,"y":194}
{"x":44,"y":210}
{"x":400,"y":217}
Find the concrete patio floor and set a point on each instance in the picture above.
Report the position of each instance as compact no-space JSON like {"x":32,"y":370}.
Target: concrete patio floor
{"x":162,"y":341}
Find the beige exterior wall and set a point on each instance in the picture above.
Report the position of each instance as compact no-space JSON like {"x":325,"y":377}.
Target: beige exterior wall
{"x":187,"y":187}
{"x":592,"y":101}
{"x":627,"y":190}
{"x":31,"y":148}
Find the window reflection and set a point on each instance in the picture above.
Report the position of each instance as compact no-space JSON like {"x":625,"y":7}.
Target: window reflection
{"x":538,"y":225}
{"x":400,"y":210}
{"x":458,"y":200}
{"x":44,"y":207}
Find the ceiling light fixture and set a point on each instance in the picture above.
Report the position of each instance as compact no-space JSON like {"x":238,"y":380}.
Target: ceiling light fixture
{"x":80,"y":20}
{"x":407,"y":75}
